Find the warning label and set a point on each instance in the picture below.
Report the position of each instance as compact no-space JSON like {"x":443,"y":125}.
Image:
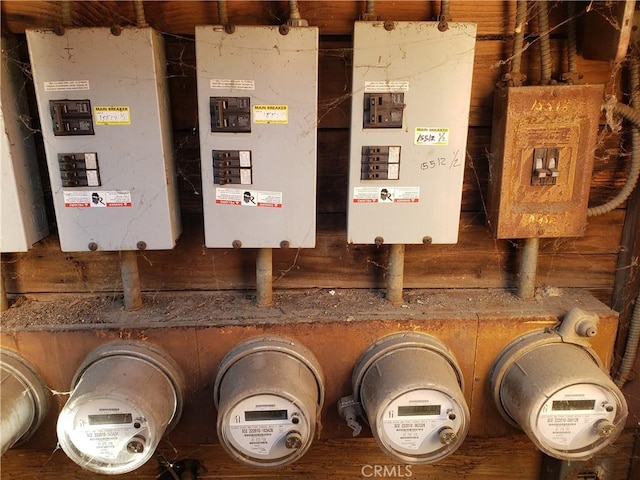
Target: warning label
{"x":248,"y":198}
{"x":386,"y":194}
{"x":66,"y":85}
{"x":97,"y":199}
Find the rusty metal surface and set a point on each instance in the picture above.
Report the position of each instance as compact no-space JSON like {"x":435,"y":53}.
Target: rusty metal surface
{"x":525,"y":118}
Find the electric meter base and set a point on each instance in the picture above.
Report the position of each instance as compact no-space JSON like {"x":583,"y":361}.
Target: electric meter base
{"x":269,"y":393}
{"x":25,"y":400}
{"x":409,"y":388}
{"x":551,"y":385}
{"x":125,"y":397}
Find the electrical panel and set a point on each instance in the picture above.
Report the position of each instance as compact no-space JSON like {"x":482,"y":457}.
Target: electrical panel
{"x":125,"y":397}
{"x":269,"y":393}
{"x":257,"y":102}
{"x":409,"y":120}
{"x":23,"y":216}
{"x":105,"y":119}
{"x":542,"y":151}
{"x":408,"y":388}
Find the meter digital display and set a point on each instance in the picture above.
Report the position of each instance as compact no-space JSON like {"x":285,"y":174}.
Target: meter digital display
{"x":269,"y":393}
{"x":550,"y":384}
{"x":109,"y":424}
{"x":408,"y":387}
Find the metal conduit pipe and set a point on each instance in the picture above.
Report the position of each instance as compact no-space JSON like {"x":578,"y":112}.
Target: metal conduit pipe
{"x":518,"y":38}
{"x":130,"y":280}
{"x":571,"y":41}
{"x":545,"y":45}
{"x":631,"y":114}
{"x":443,"y":21}
{"x":370,"y":7}
{"x":294,"y":10}
{"x":395,"y":274}
{"x":528,"y":267}
{"x":4,"y":300}
{"x":264,"y":276}
{"x":631,"y":349}
{"x":223,"y":17}
{"x":138,"y":7}
{"x":66,"y":13}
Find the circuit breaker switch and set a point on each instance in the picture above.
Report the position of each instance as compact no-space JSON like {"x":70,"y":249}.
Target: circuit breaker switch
{"x":545,"y":166}
{"x":383,"y":110}
{"x":79,"y":169}
{"x":232,"y":167}
{"x":380,"y":163}
{"x":230,"y":114}
{"x":71,"y":117}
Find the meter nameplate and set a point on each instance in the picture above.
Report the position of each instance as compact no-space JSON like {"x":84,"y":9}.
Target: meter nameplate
{"x":567,"y":419}
{"x":102,"y":429}
{"x":258,"y":426}
{"x":411,"y":423}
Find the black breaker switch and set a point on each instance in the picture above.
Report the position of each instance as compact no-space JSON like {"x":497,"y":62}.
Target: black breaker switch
{"x":230,"y":114}
{"x":383,"y":110}
{"x":232,"y":167}
{"x":380,"y":163}
{"x":71,"y":117}
{"x":79,"y":169}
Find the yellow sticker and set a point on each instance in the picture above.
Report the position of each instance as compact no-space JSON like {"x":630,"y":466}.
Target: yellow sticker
{"x":431,"y":136}
{"x":112,"y":115}
{"x":271,"y":114}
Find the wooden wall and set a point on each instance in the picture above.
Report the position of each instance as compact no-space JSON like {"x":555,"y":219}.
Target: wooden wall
{"x":478,"y":261}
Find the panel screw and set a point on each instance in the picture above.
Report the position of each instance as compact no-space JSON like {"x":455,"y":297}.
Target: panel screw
{"x":378,"y":241}
{"x":116,"y":30}
{"x":427,"y":240}
{"x":93,"y":246}
{"x":141,"y":245}
{"x":236,"y":244}
{"x":389,"y":25}
{"x":284,"y":29}
{"x":229,"y":28}
{"x":284,"y":244}
{"x":58,"y":30}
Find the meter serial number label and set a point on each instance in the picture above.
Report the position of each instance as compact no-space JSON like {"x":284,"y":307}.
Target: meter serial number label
{"x":259,"y":439}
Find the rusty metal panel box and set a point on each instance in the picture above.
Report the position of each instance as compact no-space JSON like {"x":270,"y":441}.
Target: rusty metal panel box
{"x":409,"y":123}
{"x":104,"y":109}
{"x":542,"y":151}
{"x":257,"y":112}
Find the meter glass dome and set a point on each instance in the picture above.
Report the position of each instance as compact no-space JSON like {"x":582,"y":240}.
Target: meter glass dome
{"x":110,"y":424}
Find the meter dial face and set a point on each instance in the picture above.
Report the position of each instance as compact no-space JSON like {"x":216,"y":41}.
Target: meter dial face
{"x":267,"y":428}
{"x":411,"y":424}
{"x":568,"y":420}
{"x":108,"y":432}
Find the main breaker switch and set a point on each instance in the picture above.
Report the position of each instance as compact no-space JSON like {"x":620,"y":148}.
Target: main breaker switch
{"x":71,"y":117}
{"x":383,"y":110}
{"x":230,"y":114}
{"x":545,"y":166}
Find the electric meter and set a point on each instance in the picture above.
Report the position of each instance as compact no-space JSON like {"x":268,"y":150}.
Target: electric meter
{"x":551,"y":385}
{"x":125,"y":397}
{"x":269,"y":393}
{"x":25,"y":399}
{"x":408,"y":387}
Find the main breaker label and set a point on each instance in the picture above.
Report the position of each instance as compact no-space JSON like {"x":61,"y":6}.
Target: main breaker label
{"x":118,"y":115}
{"x":66,"y":85}
{"x":248,"y":198}
{"x":97,"y":199}
{"x":278,"y":114}
{"x":431,"y":136}
{"x":228,"y":84}
{"x":386,"y":194}
{"x":386,"y":87}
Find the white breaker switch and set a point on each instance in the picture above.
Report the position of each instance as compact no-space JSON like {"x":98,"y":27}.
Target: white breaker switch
{"x":104,"y":109}
{"x":409,"y":121}
{"x":257,"y":110}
